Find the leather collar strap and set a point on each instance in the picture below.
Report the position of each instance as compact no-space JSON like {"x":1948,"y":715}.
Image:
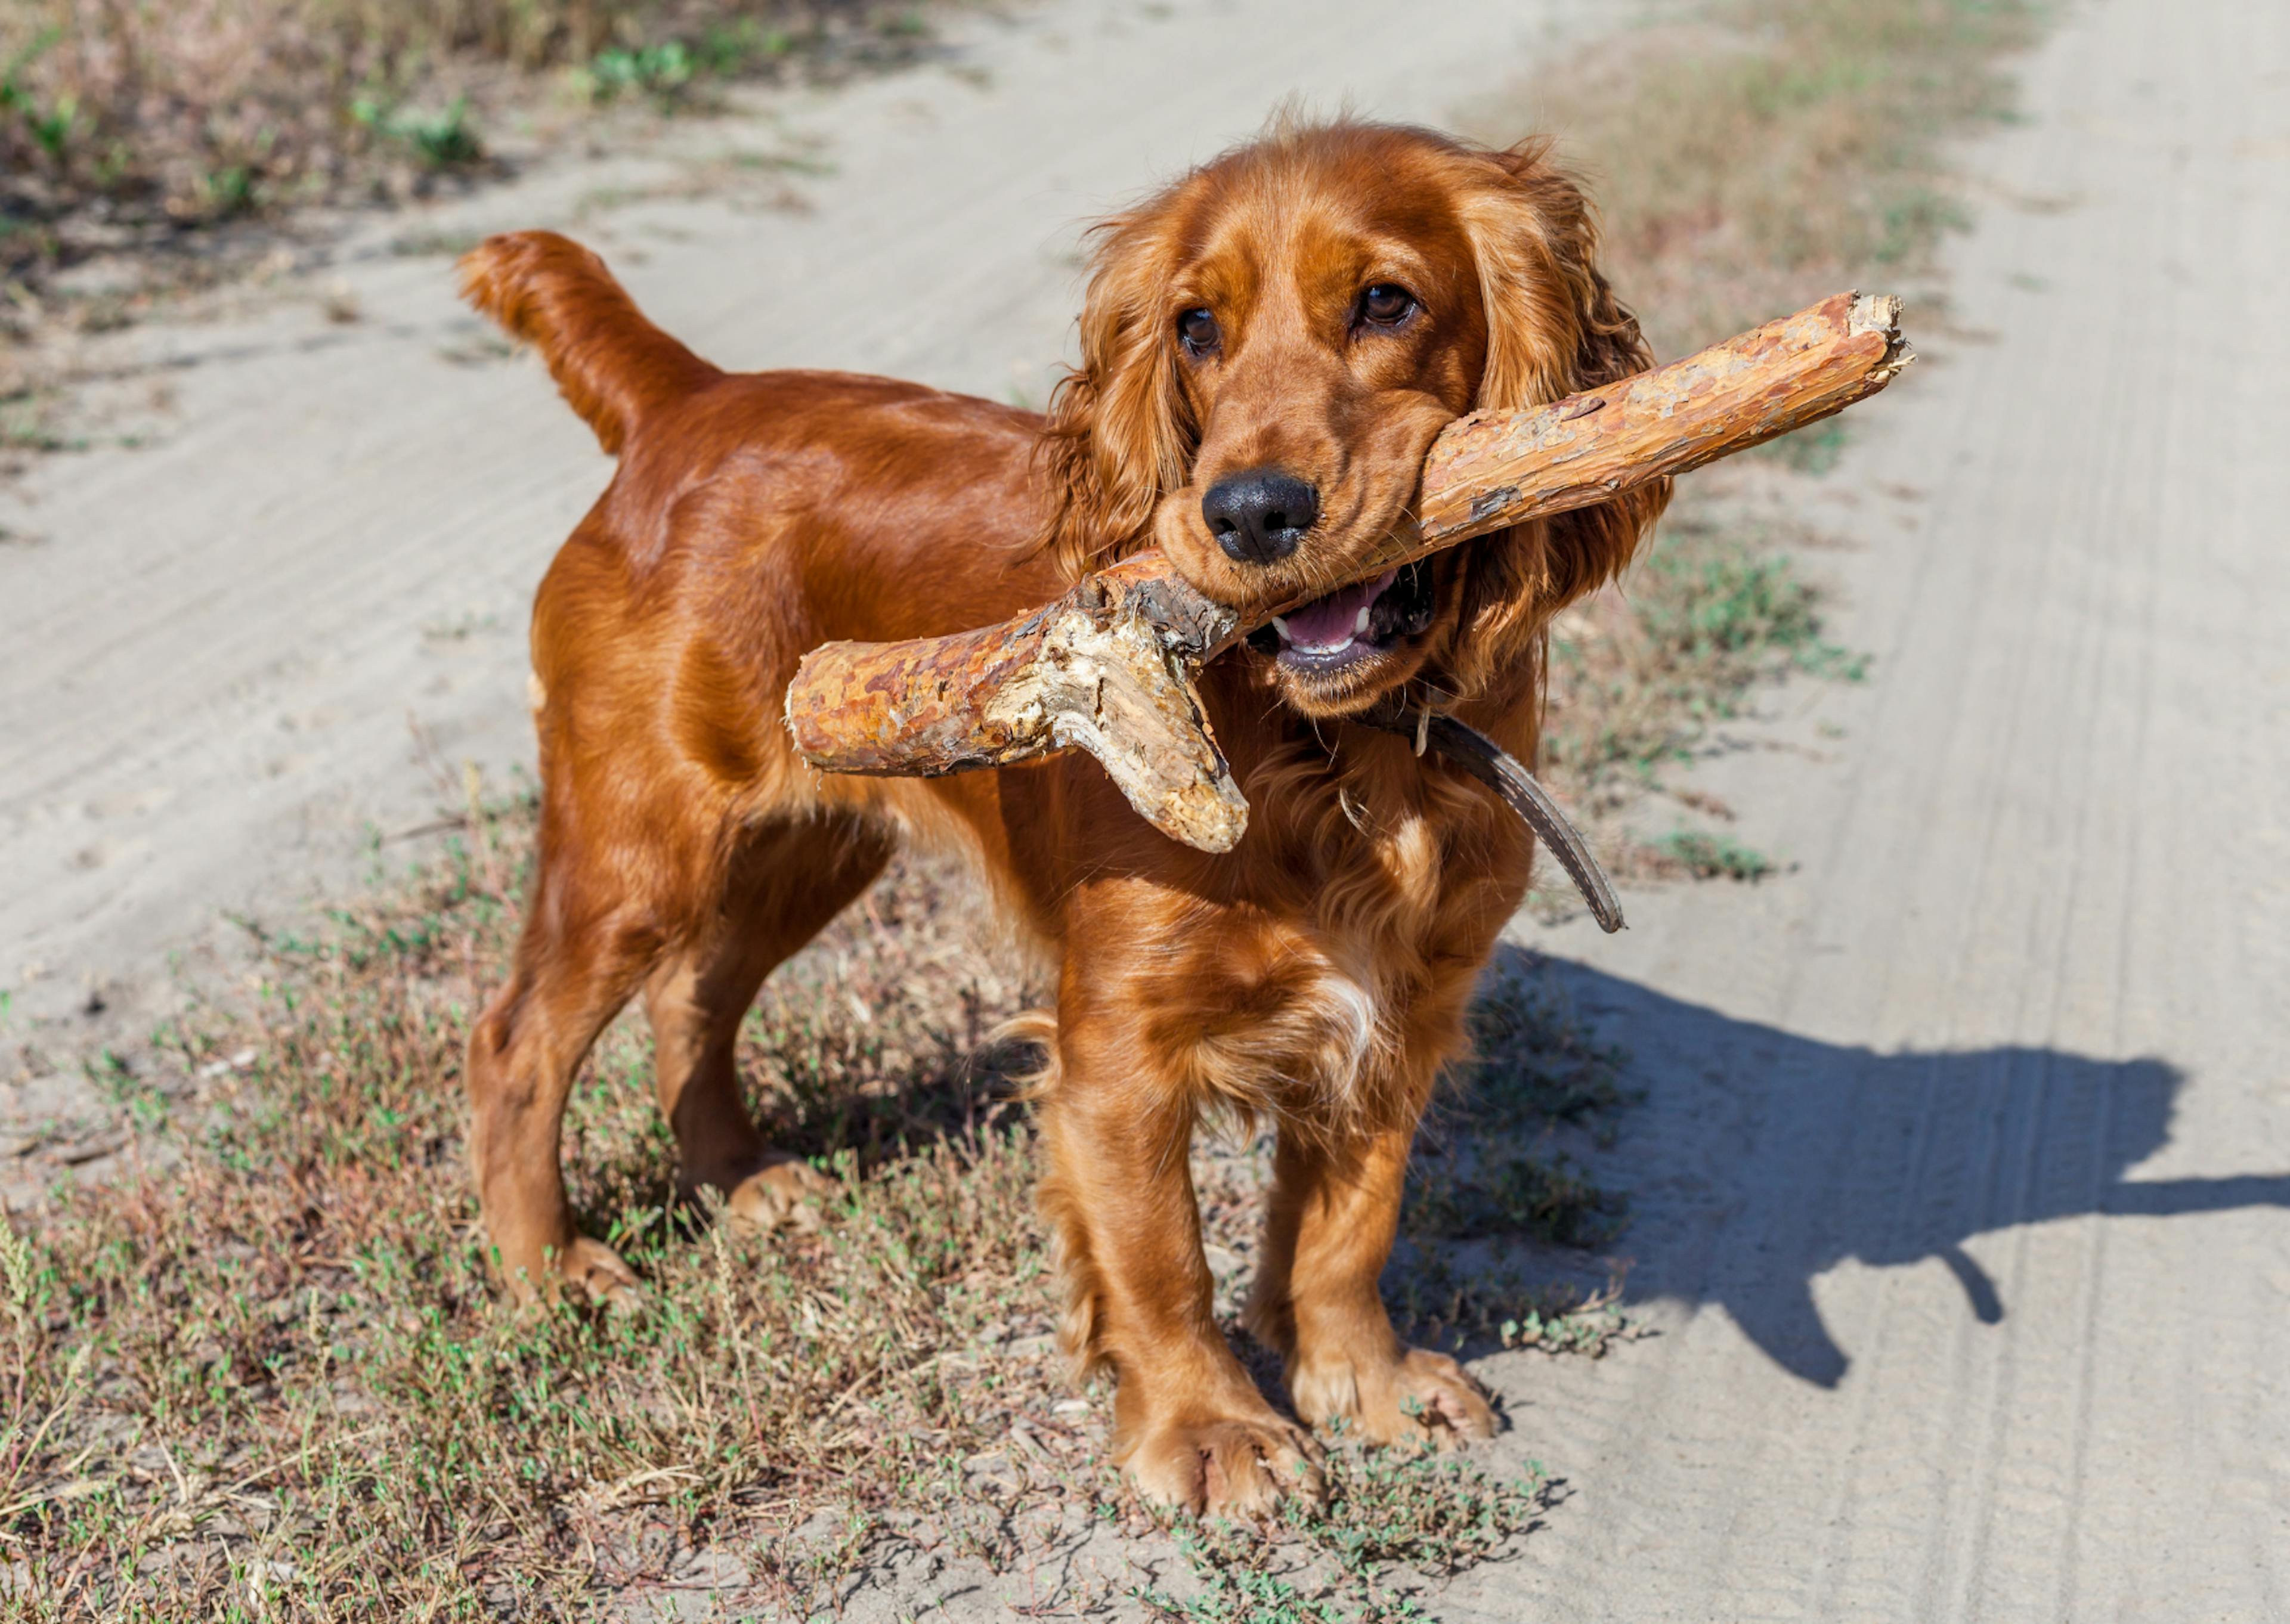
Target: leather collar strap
{"x":1488,"y":761}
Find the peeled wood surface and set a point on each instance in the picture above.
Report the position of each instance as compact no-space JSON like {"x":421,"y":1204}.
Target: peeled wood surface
{"x":1107,"y":666}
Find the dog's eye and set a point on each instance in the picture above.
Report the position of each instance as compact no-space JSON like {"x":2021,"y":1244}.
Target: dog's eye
{"x":1199,"y":330}
{"x":1386,"y":304}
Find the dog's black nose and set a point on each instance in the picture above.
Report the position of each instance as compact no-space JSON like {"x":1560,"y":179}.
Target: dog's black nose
{"x":1259,"y":516}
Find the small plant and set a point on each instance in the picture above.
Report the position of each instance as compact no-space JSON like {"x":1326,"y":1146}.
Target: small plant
{"x":1711,"y":856}
{"x":1564,"y":1319}
{"x":1423,"y":1514}
{"x":660,"y":71}
{"x":446,"y":139}
{"x":223,"y":192}
{"x":51,"y":126}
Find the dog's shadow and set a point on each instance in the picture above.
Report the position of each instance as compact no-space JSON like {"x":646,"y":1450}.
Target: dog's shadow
{"x":1761,"y":1159}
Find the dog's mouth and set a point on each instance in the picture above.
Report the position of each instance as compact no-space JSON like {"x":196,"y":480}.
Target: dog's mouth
{"x":1352,"y":625}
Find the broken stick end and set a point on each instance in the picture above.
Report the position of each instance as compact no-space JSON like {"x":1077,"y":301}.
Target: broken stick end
{"x":1880,"y":313}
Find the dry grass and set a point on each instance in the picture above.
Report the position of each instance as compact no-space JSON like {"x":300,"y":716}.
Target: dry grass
{"x":1785,"y":149}
{"x":264,"y":1371}
{"x":125,"y":122}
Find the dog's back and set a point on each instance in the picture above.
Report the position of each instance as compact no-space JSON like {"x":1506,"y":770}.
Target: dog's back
{"x":882,"y":508}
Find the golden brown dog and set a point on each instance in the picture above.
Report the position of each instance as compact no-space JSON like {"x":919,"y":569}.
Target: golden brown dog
{"x":1270,"y":347}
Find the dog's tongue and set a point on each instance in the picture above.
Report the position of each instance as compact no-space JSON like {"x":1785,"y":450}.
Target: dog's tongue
{"x":1327,"y":623}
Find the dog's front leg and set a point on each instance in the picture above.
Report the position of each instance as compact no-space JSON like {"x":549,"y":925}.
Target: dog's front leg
{"x":1189,"y":1426}
{"x":1318,"y":1300}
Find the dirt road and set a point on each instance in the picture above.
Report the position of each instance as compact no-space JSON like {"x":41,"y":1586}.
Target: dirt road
{"x":1963,"y":1185}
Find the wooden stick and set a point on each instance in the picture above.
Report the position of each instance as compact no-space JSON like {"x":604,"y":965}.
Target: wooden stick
{"x":1108,"y":667}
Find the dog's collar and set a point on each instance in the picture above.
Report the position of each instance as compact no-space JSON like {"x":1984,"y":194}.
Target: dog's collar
{"x":1467,"y":747}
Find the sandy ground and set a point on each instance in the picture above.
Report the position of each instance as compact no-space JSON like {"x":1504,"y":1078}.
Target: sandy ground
{"x":1962,"y":1187}
{"x":1961,"y":1183}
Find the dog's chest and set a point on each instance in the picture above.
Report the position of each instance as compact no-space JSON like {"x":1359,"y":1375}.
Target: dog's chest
{"x":1362,"y":954}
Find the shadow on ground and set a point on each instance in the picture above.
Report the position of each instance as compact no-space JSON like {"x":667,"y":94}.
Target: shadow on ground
{"x":1763,"y":1159}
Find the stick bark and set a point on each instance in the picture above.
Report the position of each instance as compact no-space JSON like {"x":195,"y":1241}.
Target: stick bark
{"x":1107,"y":665}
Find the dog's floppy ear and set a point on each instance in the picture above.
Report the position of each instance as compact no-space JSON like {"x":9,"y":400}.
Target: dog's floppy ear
{"x":1120,"y":431}
{"x":1554,"y":327}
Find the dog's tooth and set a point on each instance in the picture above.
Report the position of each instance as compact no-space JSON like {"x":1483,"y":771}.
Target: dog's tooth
{"x":1359,"y":624}
{"x":1281,"y":627}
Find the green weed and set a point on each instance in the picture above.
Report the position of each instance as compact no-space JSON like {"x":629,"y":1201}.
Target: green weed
{"x":1711,"y":856}
{"x":1563,"y":1319}
{"x":445,"y":140}
{"x":1532,"y":1064}
{"x":1393,"y":1519}
{"x":1535,"y":1197}
{"x":659,"y":71}
{"x":1491,"y":1162}
{"x":739,"y":45}
{"x":48,"y":124}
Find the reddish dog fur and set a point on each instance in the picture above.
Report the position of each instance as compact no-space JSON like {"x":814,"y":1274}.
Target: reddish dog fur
{"x":1316,"y":976}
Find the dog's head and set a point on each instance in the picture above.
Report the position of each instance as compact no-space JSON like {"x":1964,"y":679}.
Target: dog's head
{"x":1270,"y":347}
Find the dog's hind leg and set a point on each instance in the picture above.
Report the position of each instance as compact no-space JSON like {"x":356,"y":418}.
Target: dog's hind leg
{"x":785,"y":882}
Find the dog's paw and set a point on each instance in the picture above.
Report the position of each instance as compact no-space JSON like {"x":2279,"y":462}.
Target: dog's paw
{"x":593,"y":1270}
{"x":786,"y":1193}
{"x":1226,"y":1466}
{"x":1422,"y":1398}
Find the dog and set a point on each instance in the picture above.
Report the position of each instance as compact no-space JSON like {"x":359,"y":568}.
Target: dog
{"x":1269,"y":346}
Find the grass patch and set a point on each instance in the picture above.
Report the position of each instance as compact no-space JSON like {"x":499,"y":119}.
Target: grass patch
{"x":1779,"y":151}
{"x":1639,"y":677}
{"x":1431,"y":1517}
{"x":280,"y":1358}
{"x":1519,"y":1196}
{"x":263,"y":1370}
{"x":126,"y":122}
{"x":1532,"y":1064}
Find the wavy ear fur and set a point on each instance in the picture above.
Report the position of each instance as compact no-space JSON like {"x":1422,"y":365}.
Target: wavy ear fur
{"x":1553,"y":327}
{"x":1120,"y":431}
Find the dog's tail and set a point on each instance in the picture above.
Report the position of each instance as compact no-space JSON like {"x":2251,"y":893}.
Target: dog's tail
{"x":613,"y":365}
